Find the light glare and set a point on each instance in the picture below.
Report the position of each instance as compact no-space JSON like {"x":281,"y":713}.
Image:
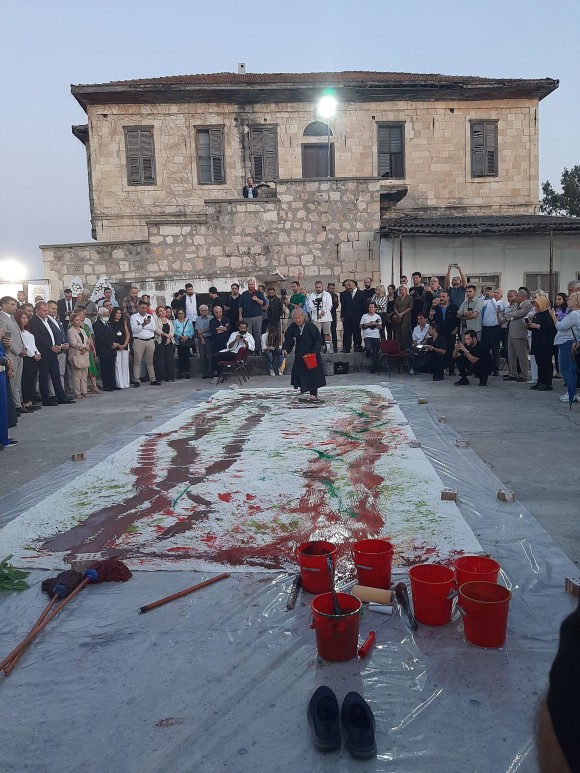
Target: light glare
{"x":327,"y":107}
{"x":12,"y":270}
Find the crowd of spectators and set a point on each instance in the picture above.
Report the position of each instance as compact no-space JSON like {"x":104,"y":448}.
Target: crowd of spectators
{"x":52,"y":353}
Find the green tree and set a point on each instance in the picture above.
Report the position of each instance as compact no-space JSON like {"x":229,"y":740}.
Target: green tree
{"x":567,"y":202}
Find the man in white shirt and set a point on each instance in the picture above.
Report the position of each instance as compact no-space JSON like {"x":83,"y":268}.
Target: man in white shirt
{"x":491,"y":329}
{"x":420,"y":331}
{"x":319,"y":306}
{"x":239,"y":339}
{"x":143,"y":330}
{"x":190,"y":303}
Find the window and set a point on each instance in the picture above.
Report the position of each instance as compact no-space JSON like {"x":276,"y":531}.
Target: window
{"x":541,"y":281}
{"x":318,"y":129}
{"x":210,"y":156}
{"x":484,"y":280}
{"x":315,"y":161}
{"x":264,"y":152}
{"x":140,"y":153}
{"x":390,"y":143}
{"x":484,"y":149}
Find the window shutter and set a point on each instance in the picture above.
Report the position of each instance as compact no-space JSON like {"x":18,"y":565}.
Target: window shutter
{"x":270,"y":142}
{"x":390,"y":146}
{"x":477,"y":150}
{"x":216,"y":147}
{"x":491,"y":148}
{"x":203,"y":157}
{"x":140,"y":152}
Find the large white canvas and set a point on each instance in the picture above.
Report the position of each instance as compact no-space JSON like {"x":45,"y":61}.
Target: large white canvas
{"x":238,"y":482}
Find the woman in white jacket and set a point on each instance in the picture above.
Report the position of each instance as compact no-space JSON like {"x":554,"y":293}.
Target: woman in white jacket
{"x":568,"y":333}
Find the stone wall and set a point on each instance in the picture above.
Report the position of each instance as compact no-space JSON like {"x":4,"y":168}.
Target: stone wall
{"x":437,"y":157}
{"x":311,"y":229}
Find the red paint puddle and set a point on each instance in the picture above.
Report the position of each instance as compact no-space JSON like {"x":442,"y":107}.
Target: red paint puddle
{"x":227,"y":497}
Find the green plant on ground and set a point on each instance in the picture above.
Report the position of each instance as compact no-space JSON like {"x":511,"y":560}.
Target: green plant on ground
{"x":11,"y":578}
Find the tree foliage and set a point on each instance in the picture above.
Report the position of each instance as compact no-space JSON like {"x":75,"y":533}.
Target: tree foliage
{"x":567,"y":202}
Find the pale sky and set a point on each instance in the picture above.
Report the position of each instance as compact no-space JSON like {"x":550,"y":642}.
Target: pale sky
{"x":45,"y":45}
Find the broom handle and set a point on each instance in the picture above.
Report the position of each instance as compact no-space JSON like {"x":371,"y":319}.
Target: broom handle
{"x":35,"y":631}
{"x":167,"y":599}
{"x":44,"y":613}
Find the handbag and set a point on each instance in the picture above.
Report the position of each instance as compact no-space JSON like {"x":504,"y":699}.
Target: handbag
{"x":341,"y":368}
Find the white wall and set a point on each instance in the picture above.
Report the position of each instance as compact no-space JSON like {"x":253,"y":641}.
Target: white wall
{"x":509,"y":256}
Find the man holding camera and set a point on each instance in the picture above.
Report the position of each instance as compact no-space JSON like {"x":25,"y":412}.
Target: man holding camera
{"x":239,"y":339}
{"x":472,"y":357}
{"x":319,"y":306}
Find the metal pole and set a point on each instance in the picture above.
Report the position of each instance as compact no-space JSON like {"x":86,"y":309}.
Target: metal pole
{"x":328,"y":148}
{"x":551,"y":277}
{"x":400,"y":255}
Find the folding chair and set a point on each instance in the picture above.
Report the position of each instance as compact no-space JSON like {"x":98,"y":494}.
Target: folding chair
{"x":237,"y":366}
{"x":392,"y":354}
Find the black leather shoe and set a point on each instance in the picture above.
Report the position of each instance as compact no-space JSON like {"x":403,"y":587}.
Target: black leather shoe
{"x":155,"y":383}
{"x":462,"y":382}
{"x":66,"y":401}
{"x":135,"y":383}
{"x":358,"y":727}
{"x":51,"y":401}
{"x":324,"y":720}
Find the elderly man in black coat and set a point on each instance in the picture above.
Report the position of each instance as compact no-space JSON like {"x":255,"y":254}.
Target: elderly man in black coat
{"x":307,"y":339}
{"x":106,"y":346}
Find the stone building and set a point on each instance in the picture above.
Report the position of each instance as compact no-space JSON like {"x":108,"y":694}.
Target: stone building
{"x":167,"y":159}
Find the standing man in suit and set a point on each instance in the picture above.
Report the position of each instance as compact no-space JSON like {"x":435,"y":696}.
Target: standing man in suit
{"x":46,"y":335}
{"x":15,"y":351}
{"x":249,"y":191}
{"x":352,"y":307}
{"x":106,"y":346}
{"x":65,"y":307}
{"x":517,"y":336}
{"x":62,"y":341}
{"x":445,"y":315}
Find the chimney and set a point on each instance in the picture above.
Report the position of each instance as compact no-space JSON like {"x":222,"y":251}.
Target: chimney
{"x":241,"y":68}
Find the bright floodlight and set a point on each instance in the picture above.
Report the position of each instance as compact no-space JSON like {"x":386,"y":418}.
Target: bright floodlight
{"x":12,"y":270}
{"x":327,"y":107}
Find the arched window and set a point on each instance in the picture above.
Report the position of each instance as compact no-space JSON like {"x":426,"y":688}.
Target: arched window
{"x":317,"y":129}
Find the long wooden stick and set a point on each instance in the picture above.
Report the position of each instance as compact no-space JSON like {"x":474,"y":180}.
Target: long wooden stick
{"x":45,"y":612}
{"x":181,"y":593}
{"x":34,"y":633}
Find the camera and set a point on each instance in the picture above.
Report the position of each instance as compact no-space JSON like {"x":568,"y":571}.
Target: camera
{"x":283,"y":292}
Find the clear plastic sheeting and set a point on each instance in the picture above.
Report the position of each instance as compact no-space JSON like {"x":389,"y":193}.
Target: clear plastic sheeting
{"x":220,"y":680}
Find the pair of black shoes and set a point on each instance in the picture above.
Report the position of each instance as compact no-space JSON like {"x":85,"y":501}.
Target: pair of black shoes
{"x":355,"y":719}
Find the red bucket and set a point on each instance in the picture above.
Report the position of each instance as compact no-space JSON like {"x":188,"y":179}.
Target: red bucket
{"x":475,"y":568}
{"x":336,"y":635}
{"x":372,"y":559}
{"x":309,"y":361}
{"x":312,"y":559}
{"x":431,"y":585}
{"x":485,"y":607}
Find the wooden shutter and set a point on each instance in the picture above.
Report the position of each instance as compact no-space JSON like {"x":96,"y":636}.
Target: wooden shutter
{"x":390,"y":147}
{"x":140,"y":152}
{"x":210,"y":155}
{"x":484,"y":149}
{"x":264,"y":152}
{"x":491,"y":148}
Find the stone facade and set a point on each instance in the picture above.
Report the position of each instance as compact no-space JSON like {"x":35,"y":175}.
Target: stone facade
{"x":178,"y":229}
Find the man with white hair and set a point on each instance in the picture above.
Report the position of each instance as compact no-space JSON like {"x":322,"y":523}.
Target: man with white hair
{"x":306,"y":337}
{"x":90,"y":307}
{"x":574,"y":286}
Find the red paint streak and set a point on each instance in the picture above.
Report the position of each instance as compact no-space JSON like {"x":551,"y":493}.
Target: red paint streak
{"x":227,"y":497}
{"x":176,"y":550}
{"x":249,"y":497}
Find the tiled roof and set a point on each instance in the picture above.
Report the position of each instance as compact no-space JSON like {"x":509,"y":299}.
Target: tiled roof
{"x":352,"y":76}
{"x":473,"y":226}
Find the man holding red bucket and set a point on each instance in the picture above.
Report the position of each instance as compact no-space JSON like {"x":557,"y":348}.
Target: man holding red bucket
{"x":307,"y":371}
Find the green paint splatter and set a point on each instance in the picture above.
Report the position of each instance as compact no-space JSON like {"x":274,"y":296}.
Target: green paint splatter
{"x":132,"y":529}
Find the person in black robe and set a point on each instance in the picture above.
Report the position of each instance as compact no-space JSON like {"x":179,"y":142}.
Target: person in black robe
{"x":307,"y":339}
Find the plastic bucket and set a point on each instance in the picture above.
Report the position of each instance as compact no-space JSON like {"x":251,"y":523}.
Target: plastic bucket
{"x":475,"y":568}
{"x":485,"y":607}
{"x":309,"y":361}
{"x":372,"y":559}
{"x":312,"y":559}
{"x":336,"y":635}
{"x":431,"y":585}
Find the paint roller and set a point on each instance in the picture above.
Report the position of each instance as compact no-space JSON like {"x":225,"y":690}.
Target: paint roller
{"x":372,"y":595}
